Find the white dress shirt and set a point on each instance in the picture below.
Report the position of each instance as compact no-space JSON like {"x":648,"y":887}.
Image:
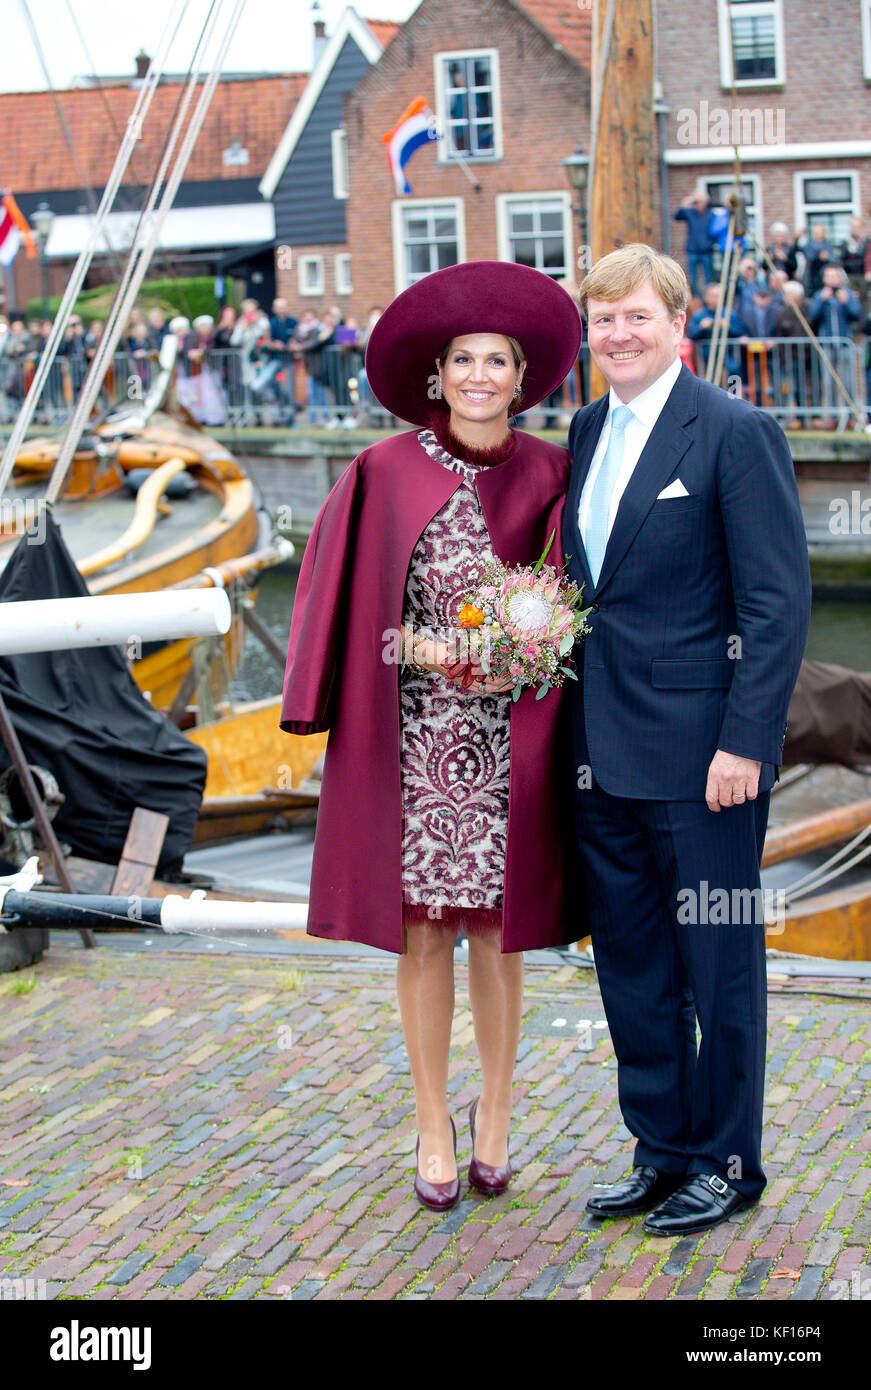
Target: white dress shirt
{"x":646,"y":410}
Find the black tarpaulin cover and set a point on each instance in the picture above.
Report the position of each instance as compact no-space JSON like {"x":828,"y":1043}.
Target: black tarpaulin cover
{"x":81,"y":715}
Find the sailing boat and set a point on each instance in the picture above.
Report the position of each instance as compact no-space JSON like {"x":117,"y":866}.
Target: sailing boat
{"x":150,"y":502}
{"x":123,"y":536}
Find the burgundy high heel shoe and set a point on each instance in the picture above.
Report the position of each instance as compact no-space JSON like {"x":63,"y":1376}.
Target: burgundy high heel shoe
{"x":438,"y":1196}
{"x":484,"y":1176}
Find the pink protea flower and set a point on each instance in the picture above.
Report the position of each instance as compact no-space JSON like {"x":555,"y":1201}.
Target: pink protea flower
{"x":563,"y":621}
{"x":530,"y":612}
{"x":549,"y":584}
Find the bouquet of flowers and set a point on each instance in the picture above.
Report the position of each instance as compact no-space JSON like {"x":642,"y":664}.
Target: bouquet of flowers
{"x":521,"y":622}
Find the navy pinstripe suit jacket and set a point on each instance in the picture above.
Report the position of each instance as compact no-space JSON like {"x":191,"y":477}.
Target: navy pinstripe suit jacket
{"x":702,"y":607}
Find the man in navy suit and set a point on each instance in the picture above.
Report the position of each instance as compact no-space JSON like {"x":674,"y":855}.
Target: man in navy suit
{"x":683,"y":522}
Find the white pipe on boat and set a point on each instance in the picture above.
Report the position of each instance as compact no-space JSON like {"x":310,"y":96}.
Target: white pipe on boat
{"x":198,"y":913}
{"x":107,"y":620}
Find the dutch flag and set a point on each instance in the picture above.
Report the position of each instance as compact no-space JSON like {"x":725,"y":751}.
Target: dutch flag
{"x":13,"y":227}
{"x":415,"y":127}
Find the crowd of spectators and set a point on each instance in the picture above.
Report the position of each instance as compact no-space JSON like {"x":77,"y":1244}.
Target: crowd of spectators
{"x":814,"y":282}
{"x":280,"y":365}
{"x":257,"y":368}
{"x":21,"y":346}
{"x":269,"y":368}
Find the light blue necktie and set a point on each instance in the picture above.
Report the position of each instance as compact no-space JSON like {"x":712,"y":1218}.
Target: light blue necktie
{"x":596,"y":530}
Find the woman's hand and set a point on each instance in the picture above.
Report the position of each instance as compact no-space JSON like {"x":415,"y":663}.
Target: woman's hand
{"x":440,"y":658}
{"x":481,"y":683}
{"x":435,"y":656}
{"x":492,"y":685}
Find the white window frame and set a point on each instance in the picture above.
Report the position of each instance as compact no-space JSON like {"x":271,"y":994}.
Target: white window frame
{"x":756,"y":208}
{"x":443,"y":154}
{"x":342,"y":273}
{"x":503,"y":242}
{"x":339,"y":146}
{"x":866,"y":38}
{"x":302,"y":263}
{"x":759,"y":7}
{"x":399,"y":206}
{"x":804,"y":212}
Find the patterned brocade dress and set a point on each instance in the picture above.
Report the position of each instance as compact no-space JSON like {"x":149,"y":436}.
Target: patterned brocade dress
{"x":454,"y":744}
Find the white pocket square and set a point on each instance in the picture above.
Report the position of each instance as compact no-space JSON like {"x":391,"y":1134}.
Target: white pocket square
{"x":675,"y":489}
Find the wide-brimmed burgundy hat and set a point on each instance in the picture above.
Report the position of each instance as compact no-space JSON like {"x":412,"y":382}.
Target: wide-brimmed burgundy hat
{"x":474,"y":297}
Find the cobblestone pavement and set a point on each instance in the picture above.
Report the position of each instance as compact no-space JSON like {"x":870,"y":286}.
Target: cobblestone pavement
{"x":183,"y":1125}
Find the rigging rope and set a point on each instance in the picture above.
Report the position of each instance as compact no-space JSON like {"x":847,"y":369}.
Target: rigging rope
{"x":80,"y":270}
{"x":65,"y":129}
{"x":596,"y":116}
{"x":818,"y":876}
{"x":723,"y":312}
{"x":165,"y":255}
{"x":148,"y":233}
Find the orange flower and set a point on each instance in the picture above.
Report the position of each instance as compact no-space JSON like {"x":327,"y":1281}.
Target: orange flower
{"x":470,"y":616}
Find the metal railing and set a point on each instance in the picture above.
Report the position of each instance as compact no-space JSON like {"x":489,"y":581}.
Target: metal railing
{"x":784,"y":376}
{"x":788,"y":378}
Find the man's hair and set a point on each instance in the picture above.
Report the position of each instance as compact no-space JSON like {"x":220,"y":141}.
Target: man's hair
{"x":624,"y":270}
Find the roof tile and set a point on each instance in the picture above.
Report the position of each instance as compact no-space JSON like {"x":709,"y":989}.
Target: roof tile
{"x":36,"y":156}
{"x":566,"y":22}
{"x":383,"y":29}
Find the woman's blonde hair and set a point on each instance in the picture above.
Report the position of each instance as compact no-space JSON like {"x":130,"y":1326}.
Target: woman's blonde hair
{"x":623,"y":270}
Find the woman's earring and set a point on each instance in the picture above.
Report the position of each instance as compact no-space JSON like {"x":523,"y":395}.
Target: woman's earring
{"x":517,"y":393}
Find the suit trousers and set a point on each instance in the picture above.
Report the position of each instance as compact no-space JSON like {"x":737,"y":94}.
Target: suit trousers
{"x":666,"y":960}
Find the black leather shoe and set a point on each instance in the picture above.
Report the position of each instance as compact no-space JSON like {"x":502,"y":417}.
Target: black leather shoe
{"x":646,"y":1188}
{"x":702,"y":1201}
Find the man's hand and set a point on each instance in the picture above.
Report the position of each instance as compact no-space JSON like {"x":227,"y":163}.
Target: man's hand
{"x":731,"y":780}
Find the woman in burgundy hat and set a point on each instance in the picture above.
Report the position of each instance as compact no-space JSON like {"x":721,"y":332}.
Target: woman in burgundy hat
{"x":442,"y":806}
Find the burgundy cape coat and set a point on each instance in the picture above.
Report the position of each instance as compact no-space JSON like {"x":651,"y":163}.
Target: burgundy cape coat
{"x":349,"y":597}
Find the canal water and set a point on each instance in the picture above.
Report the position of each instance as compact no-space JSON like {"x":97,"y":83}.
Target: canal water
{"x":840,"y":633}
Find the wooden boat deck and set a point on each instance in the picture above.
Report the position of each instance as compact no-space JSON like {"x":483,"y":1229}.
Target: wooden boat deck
{"x":278,"y":863}
{"x":87,"y":528}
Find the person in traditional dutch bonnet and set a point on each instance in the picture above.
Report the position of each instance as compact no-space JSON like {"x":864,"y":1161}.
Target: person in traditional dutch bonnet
{"x":442,"y":798}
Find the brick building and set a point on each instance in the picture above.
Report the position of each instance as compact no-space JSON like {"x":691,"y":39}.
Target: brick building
{"x":802,"y":74}
{"x":803,"y":124}
{"x":509,"y":86}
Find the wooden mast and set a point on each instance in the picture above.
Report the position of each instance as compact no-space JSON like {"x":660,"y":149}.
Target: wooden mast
{"x":625,"y":150}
